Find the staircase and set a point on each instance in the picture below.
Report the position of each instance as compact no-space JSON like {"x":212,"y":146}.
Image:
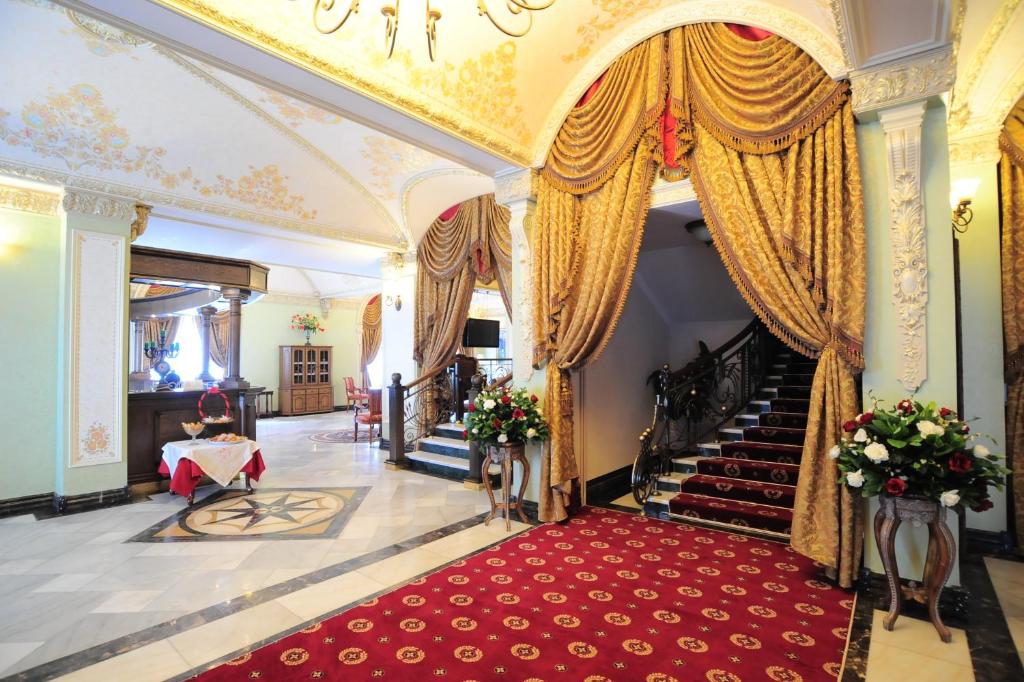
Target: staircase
{"x":746,"y":480}
{"x":445,"y":454}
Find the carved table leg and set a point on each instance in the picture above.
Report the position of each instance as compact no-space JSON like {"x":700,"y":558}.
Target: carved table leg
{"x":938,"y":574}
{"x":485,"y":474}
{"x":522,"y":490}
{"x":885,"y":538}
{"x":248,"y":484}
{"x":191,"y":498}
{"x":506,"y":490}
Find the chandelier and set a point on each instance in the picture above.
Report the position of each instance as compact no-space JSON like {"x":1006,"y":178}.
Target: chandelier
{"x":515,"y":22}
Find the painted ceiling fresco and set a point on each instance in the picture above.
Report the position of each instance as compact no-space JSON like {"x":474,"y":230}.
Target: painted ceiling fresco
{"x":120,"y":114}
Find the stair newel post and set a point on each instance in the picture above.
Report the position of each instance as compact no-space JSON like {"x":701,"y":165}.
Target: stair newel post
{"x":396,"y":423}
{"x":475,"y":477}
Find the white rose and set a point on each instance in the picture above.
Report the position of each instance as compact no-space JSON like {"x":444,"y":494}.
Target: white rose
{"x":861,"y":436}
{"x":531,"y":433}
{"x":876,"y":452}
{"x":476,"y":430}
{"x":855,"y":479}
{"x":833,"y":452}
{"x":928,"y":428}
{"x":503,"y":438}
{"x":980,"y":451}
{"x":950,"y":498}
{"x":489,"y":404}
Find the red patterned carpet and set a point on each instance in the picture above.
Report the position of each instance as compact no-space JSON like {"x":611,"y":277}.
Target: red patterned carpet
{"x":608,"y":596}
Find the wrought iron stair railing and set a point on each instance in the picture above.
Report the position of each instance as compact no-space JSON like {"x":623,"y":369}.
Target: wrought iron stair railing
{"x":691,"y":403}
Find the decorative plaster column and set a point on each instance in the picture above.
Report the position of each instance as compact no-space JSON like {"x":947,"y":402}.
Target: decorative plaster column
{"x":902,"y":128}
{"x":93,"y":342}
{"x":398,"y":310}
{"x":234,"y":379}
{"x":206,"y":313}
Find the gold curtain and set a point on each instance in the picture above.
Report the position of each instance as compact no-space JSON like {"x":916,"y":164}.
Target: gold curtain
{"x":1011,"y":170}
{"x":474,"y":244}
{"x":592,"y":201}
{"x":151,"y":333}
{"x":219,"y":338}
{"x":370,"y":336}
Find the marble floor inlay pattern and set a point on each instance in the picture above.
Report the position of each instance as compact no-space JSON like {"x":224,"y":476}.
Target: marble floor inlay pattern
{"x":267,"y":514}
{"x":76,"y":582}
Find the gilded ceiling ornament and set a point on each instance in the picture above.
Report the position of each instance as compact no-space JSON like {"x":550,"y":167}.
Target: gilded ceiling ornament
{"x":29,"y":200}
{"x":390,"y":159}
{"x":141,"y":221}
{"x":515,"y":22}
{"x":100,"y":205}
{"x":101,"y":39}
{"x":610,"y":15}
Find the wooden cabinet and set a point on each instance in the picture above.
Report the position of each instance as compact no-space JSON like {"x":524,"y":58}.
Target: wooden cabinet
{"x":305,"y":378}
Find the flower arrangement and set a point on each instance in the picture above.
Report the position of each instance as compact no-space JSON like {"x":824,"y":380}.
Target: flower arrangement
{"x":504,"y":416}
{"x":917,"y":450}
{"x":307,"y":323}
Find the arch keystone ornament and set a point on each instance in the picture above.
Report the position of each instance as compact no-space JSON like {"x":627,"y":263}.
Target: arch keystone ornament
{"x":902,"y":127}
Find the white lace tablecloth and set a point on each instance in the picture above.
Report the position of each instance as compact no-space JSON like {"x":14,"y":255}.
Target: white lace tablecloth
{"x":219,"y":461}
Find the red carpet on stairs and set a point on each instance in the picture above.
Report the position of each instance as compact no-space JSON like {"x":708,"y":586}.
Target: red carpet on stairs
{"x":607,"y":596}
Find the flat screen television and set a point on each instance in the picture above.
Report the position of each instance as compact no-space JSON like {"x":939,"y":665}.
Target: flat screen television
{"x":480,"y":333}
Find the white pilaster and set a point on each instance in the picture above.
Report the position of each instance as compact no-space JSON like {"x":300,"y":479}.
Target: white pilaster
{"x":515,"y":191}
{"x":902,"y":128}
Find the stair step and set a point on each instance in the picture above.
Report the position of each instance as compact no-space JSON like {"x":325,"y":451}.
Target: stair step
{"x":744,"y":420}
{"x":730,"y":433}
{"x":749,"y":469}
{"x":798,"y":392}
{"x":673,"y":483}
{"x":709,"y":449}
{"x":767,"y":452}
{"x":759,"y":406}
{"x":433,"y":460}
{"x":782,"y":419}
{"x":686,"y":465}
{"x":767,"y":434}
{"x":773,"y":380}
{"x":797,"y":379}
{"x":453,"y":431}
{"x":770,"y":392}
{"x":794,"y":405}
{"x":440,"y":445}
{"x":741,"y":490}
{"x":749,"y":515}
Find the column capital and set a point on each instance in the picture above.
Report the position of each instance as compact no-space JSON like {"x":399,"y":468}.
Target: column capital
{"x":514,"y":186}
{"x":82,"y":202}
{"x":974,"y":147}
{"x":900,"y":81}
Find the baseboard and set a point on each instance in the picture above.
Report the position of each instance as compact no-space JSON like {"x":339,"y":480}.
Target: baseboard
{"x":988,"y":542}
{"x":16,"y":506}
{"x":71,"y":504}
{"x":610,"y":486}
{"x":385,"y":444}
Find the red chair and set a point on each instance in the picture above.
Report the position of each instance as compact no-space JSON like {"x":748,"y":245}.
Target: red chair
{"x":353,"y":395}
{"x":372,"y":415}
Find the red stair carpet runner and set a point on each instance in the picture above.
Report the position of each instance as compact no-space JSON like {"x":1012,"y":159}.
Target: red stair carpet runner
{"x":607,"y":596}
{"x":752,"y":484}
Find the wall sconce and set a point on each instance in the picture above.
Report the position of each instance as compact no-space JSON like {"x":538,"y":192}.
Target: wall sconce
{"x":395,"y":301}
{"x":961,"y":194}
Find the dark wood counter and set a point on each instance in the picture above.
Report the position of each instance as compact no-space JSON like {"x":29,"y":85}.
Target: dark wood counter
{"x":155,"y":418}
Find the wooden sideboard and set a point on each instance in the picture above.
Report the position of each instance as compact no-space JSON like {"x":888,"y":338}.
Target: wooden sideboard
{"x":305,"y":380}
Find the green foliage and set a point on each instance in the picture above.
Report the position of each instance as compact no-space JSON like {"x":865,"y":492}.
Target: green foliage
{"x":505,"y":416}
{"x":927,"y":448}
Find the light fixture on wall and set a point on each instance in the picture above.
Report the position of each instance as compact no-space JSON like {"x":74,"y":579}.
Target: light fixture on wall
{"x":516,"y":22}
{"x":961,"y":194}
{"x":699,"y":230}
{"x":395,"y":301}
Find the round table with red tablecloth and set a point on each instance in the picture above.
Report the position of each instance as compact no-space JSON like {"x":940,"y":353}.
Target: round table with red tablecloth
{"x":185,"y":462}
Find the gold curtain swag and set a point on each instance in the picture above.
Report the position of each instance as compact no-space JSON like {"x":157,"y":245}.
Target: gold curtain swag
{"x":770,"y":142}
{"x":370,"y":336}
{"x":1011,"y":172}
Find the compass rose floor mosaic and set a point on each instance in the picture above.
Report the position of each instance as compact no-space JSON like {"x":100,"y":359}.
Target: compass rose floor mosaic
{"x":267,"y":514}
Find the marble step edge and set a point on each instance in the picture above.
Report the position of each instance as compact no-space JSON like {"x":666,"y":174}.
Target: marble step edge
{"x":447,"y":461}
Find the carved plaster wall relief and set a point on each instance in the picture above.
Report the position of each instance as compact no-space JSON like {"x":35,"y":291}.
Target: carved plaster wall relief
{"x":141,"y":221}
{"x":100,"y":205}
{"x":902,"y":128}
{"x":516,"y":191}
{"x":29,"y":200}
{"x":514,"y":186}
{"x":904,"y":80}
{"x":978,"y":148}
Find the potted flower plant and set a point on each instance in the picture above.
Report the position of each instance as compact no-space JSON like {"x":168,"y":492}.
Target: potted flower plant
{"x":308,"y":323}
{"x":917,"y":451}
{"x":505,"y":419}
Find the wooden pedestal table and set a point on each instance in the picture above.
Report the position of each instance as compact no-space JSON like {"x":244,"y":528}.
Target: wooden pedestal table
{"x":185,"y":462}
{"x":505,"y":455}
{"x":892,"y":512}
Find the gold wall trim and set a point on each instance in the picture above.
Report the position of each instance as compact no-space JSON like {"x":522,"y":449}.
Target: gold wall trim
{"x":414,"y":105}
{"x":28,"y":200}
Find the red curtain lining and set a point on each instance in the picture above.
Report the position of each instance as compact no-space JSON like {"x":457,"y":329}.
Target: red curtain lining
{"x":373,"y":300}
{"x":449,"y":213}
{"x":668,"y":121}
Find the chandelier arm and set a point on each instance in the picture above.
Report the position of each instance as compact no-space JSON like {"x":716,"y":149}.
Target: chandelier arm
{"x":327,"y":6}
{"x":515,"y":8}
{"x":529,"y":6}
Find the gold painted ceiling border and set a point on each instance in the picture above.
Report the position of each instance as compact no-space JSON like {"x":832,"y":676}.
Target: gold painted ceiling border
{"x":26,"y":171}
{"x":28,"y":200}
{"x":293,"y":137}
{"x":416,"y":107}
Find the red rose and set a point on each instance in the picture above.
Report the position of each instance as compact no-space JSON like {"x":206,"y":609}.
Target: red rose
{"x":465,"y":435}
{"x":905,"y":406}
{"x":867,"y":417}
{"x":967,"y":429}
{"x":472,"y":407}
{"x":945,"y":412}
{"x":984,"y":505}
{"x":895,"y":486}
{"x":506,"y":399}
{"x":518,"y":414}
{"x":496,"y":423}
{"x":849,"y":426}
{"x":960,"y":463}
{"x":534,"y":398}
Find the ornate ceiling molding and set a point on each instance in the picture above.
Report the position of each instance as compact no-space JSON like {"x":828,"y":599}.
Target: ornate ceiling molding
{"x":671,"y":193}
{"x":141,"y":221}
{"x":902,"y":127}
{"x":99,"y":205}
{"x":28,"y":200}
{"x":414,"y":182}
{"x":285,"y":298}
{"x":904,"y":80}
{"x":980,"y":148}
{"x":155,"y":198}
{"x":514,"y":185}
{"x":824,"y":48}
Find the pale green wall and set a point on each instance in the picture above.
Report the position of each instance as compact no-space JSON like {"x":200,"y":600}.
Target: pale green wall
{"x":29,"y":265}
{"x":881,"y":343}
{"x":265,"y":327}
{"x":981,"y":303}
